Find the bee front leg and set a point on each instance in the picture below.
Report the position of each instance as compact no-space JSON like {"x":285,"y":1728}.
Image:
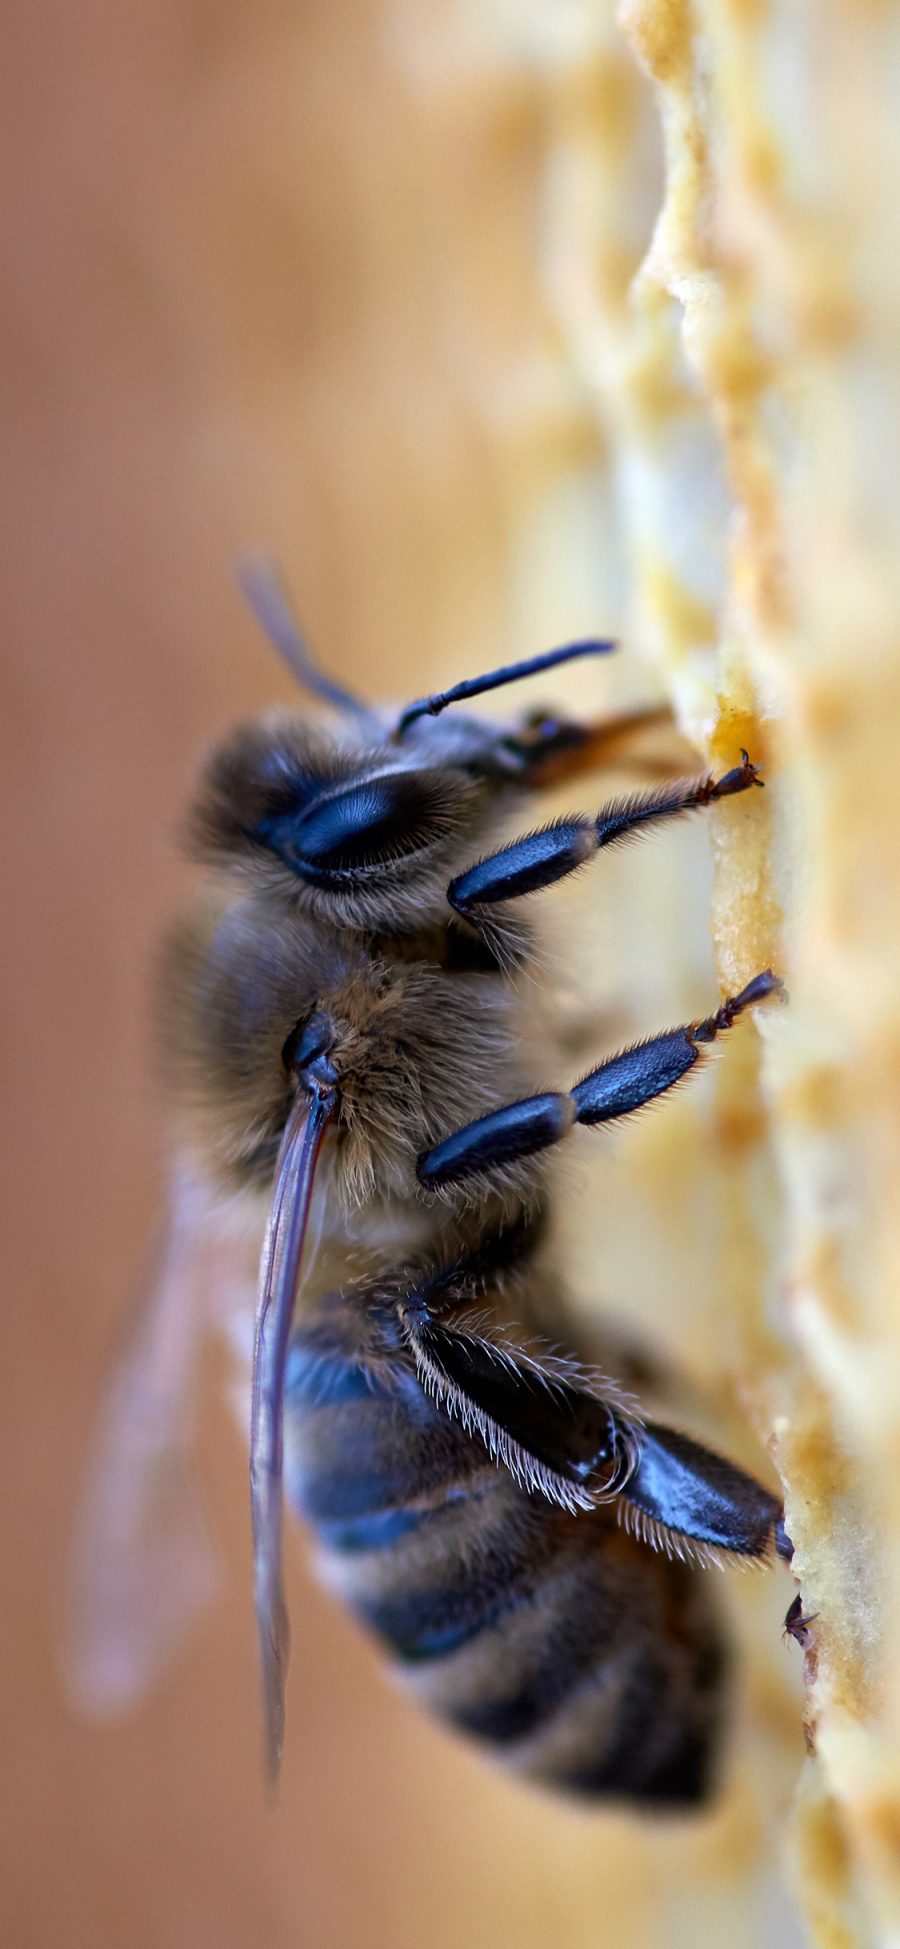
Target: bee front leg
{"x":541,"y":858}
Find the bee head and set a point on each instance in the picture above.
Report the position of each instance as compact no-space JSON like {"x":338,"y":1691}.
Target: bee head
{"x":365,"y":837}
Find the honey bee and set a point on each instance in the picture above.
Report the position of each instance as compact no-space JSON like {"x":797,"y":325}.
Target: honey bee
{"x":353,"y":1050}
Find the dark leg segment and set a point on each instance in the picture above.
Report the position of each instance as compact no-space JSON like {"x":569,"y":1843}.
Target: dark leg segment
{"x":552,"y":1432}
{"x":689,"y":1490}
{"x":542,"y":858}
{"x":614,"y":1089}
{"x":564,"y":1434}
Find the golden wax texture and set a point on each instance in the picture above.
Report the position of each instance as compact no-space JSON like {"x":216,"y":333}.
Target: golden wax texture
{"x":775,"y":241}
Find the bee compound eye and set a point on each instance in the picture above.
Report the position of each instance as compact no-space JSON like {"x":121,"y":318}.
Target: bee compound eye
{"x":370,"y":823}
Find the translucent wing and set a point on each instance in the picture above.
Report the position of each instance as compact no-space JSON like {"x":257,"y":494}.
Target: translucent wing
{"x":144,"y":1567}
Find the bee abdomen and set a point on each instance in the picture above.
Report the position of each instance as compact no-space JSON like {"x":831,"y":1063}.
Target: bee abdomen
{"x":365,"y":1444}
{"x":591,"y":1684}
{"x":559,"y":1640}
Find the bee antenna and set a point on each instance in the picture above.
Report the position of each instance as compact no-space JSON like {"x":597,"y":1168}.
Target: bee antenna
{"x":495,"y":679}
{"x":263,"y":591}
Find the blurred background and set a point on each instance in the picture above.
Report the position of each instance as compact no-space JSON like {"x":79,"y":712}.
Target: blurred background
{"x":354,"y":281}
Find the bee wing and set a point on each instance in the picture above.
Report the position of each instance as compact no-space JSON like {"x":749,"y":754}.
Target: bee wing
{"x":144,"y":1567}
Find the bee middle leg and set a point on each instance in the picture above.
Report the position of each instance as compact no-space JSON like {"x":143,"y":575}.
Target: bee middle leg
{"x":614,"y":1089}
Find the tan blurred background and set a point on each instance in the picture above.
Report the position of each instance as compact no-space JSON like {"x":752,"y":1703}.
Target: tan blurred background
{"x":350,"y":279}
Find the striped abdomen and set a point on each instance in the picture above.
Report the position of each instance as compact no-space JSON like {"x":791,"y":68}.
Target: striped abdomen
{"x":585,"y":1659}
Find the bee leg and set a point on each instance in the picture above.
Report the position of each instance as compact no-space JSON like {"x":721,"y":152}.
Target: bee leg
{"x":561,"y":1433}
{"x":617,"y":1087}
{"x":679,"y":1488}
{"x":542,"y":858}
{"x":569,"y":1436}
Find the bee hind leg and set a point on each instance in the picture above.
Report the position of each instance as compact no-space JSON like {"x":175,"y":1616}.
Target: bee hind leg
{"x":569,"y":1435}
{"x":680,"y":1490}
